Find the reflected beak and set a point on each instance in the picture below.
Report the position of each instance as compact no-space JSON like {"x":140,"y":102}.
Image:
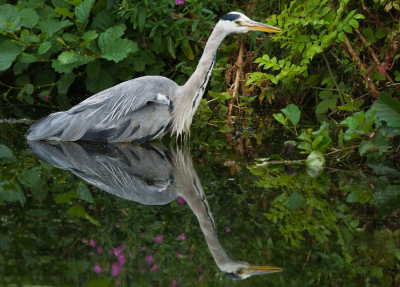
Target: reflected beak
{"x":256,"y":26}
{"x":254,"y":270}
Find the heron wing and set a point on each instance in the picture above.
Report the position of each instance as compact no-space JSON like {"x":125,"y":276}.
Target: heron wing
{"x":111,"y":114}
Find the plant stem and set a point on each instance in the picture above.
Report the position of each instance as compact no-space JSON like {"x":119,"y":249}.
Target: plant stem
{"x":333,"y":78}
{"x":339,"y":150}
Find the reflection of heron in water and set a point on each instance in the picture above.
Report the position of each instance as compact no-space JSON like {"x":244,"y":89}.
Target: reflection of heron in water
{"x":148,"y":174}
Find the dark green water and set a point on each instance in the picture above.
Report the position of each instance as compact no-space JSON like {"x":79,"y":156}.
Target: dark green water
{"x":339,"y":227}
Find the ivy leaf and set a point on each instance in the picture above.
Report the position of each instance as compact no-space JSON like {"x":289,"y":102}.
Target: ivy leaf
{"x":388,"y":110}
{"x":8,"y":52}
{"x":44,"y":47}
{"x":293,"y":113}
{"x":82,"y":11}
{"x":113,"y":47}
{"x":83,"y":193}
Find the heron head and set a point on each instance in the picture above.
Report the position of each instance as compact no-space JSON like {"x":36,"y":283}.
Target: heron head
{"x":235,"y":22}
{"x":243,"y":270}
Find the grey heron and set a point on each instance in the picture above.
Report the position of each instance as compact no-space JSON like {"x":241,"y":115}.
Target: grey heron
{"x":148,"y":174}
{"x":144,"y":108}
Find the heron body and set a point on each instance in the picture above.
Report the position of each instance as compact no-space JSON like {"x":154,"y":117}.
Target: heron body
{"x":144,"y":108}
{"x":149,"y":174}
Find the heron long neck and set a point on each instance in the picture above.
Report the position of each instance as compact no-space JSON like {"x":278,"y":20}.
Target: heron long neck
{"x":191,"y":93}
{"x":191,"y":190}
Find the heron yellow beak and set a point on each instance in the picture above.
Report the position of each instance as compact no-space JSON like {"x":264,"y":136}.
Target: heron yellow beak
{"x":254,"y":270}
{"x":256,"y":26}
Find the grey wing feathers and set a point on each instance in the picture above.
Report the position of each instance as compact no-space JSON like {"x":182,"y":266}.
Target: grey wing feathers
{"x":108,"y":114}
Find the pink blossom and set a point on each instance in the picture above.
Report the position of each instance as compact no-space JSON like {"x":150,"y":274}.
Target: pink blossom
{"x":117,"y":282}
{"x":228,"y":229}
{"x":179,"y":2}
{"x":201,"y":278}
{"x":121,"y":259}
{"x":175,"y":283}
{"x":115,"y":269}
{"x":149,"y":259}
{"x":179,"y":254}
{"x":117,"y":251}
{"x":92,"y":243}
{"x":159,"y":238}
{"x":124,"y":212}
{"x":97,"y":269}
{"x":180,"y":199}
{"x":143,"y":248}
{"x":84,"y":240}
{"x":200,"y":269}
{"x":123,"y":247}
{"x":153,"y":268}
{"x":47,"y":97}
{"x":99,"y":250}
{"x":116,"y":225}
{"x":182,"y":236}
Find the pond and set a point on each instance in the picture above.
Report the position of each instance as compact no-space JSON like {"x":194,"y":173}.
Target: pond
{"x":169,"y":214}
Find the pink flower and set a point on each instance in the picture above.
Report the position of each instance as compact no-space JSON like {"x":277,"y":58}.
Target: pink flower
{"x":99,"y":250}
{"x":182,"y":236}
{"x":124,"y":212}
{"x":153,"y":268}
{"x":143,"y":248}
{"x":179,"y":2}
{"x":201,"y":278}
{"x":179,"y":254}
{"x":228,"y":229}
{"x":84,"y":240}
{"x":121,"y":259}
{"x":123,"y":247}
{"x":97,"y":269}
{"x":117,"y":251}
{"x":159,"y":239}
{"x":117,"y":282}
{"x":149,"y":259}
{"x":175,"y":283}
{"x":200,"y":269}
{"x":115,"y":269}
{"x":116,"y":225}
{"x":180,"y":199}
{"x":92,"y":243}
{"x":47,"y":97}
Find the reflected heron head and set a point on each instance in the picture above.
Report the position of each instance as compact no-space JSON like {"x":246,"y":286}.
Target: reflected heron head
{"x":243,"y":270}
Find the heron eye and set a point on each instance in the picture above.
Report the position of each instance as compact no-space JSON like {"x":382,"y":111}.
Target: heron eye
{"x":237,"y":22}
{"x":239,"y":271}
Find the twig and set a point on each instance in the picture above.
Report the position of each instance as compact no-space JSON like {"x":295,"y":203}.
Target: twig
{"x":356,"y":59}
{"x":238,"y":65}
{"x":333,"y":78}
{"x":371,"y":52}
{"x":323,"y":89}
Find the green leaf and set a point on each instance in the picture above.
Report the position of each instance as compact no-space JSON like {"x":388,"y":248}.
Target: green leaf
{"x":77,"y":210}
{"x":65,"y":82}
{"x":100,"y":83}
{"x":142,"y":17}
{"x":8,"y":17}
{"x":388,"y":110}
{"x":341,"y":36}
{"x":113,"y":47}
{"x":148,"y":56}
{"x":6,"y":154}
{"x":315,"y":158}
{"x":98,"y":282}
{"x":171,"y":47}
{"x":64,"y":11}
{"x":65,"y":197}
{"x":90,"y":35}
{"x":294,"y":201}
{"x":83,"y":193}
{"x":377,"y":143}
{"x":52,"y":26}
{"x":354,"y":23}
{"x":293,"y":113}
{"x":187,"y":50}
{"x":11,"y":191}
{"x":82,"y":11}
{"x":280,"y":118}
{"x":221,"y":96}
{"x":8,"y":53}
{"x":44,"y":47}
{"x":93,"y":68}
